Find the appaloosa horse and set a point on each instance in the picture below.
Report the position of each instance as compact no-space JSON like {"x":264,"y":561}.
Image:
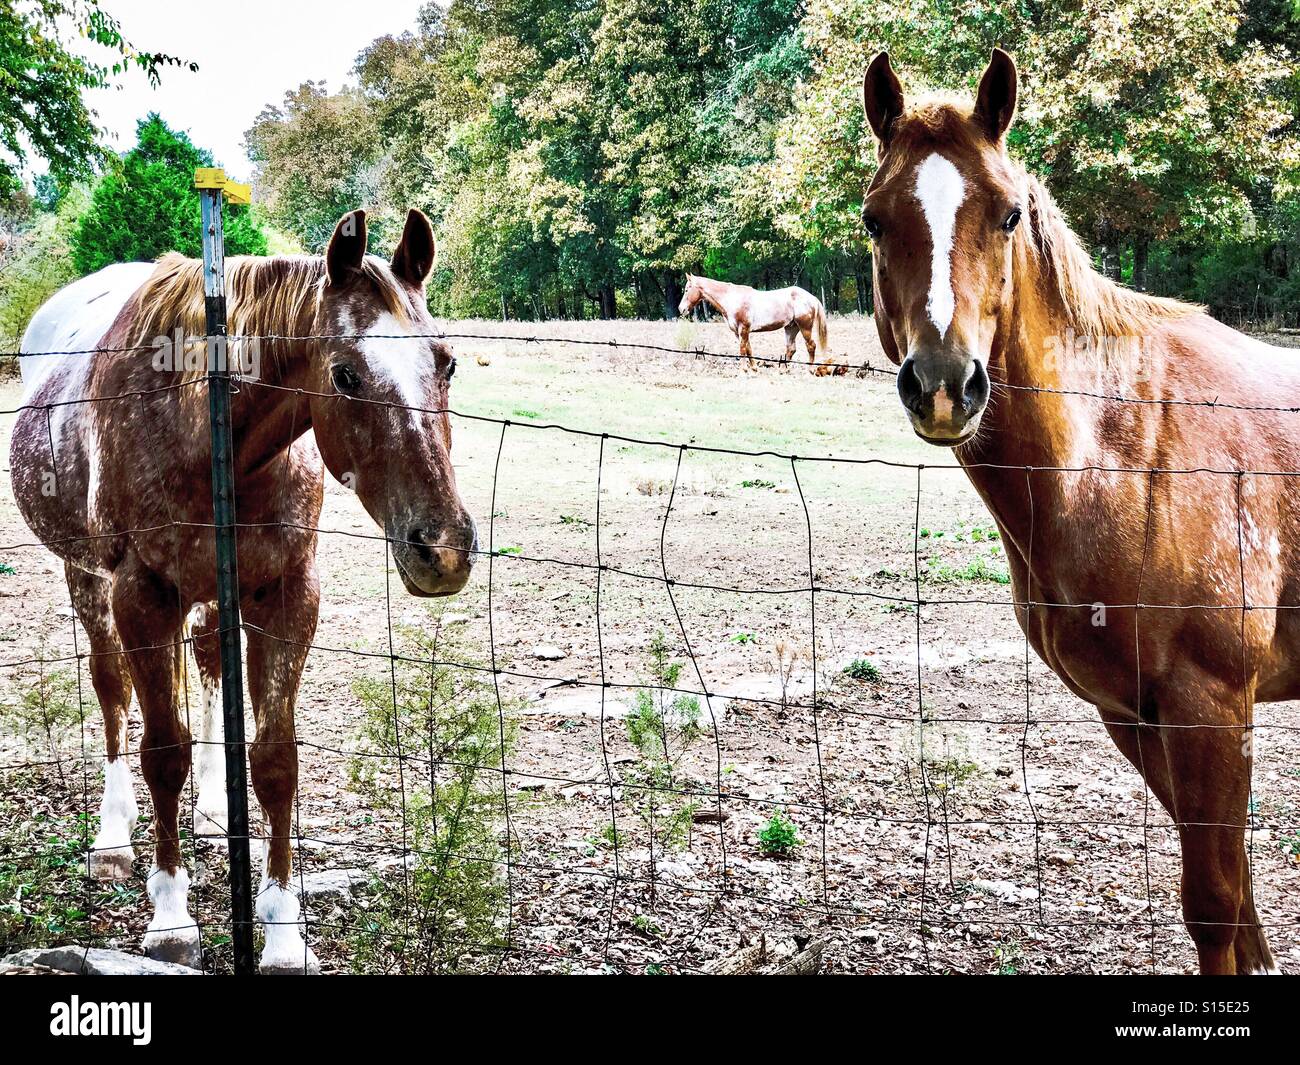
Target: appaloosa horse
{"x":981,"y":288}
{"x":120,"y":488}
{"x":748,"y":310}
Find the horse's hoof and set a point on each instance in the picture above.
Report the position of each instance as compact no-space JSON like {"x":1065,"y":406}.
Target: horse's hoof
{"x":114,"y":864}
{"x":303,"y":964}
{"x":177,"y":945}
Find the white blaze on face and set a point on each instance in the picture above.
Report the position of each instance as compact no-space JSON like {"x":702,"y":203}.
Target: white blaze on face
{"x":940,"y":191}
{"x":403,"y":363}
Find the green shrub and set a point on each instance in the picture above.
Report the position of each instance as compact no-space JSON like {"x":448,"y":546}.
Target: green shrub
{"x":778,"y":838}
{"x":663,"y":727}
{"x":862,"y":669}
{"x":44,"y":702}
{"x":37,"y":263}
{"x":446,"y":916}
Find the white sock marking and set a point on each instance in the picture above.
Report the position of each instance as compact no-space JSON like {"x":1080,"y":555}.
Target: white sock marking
{"x":118,"y":810}
{"x":281,"y":916}
{"x":170,"y":894}
{"x":940,"y":191}
{"x":210,"y":765}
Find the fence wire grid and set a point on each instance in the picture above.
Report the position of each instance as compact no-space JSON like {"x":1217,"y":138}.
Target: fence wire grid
{"x":706,"y":901}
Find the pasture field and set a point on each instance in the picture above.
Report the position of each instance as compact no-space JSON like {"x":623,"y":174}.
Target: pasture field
{"x":875,"y":832}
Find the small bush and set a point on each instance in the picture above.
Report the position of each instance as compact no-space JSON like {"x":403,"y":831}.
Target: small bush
{"x":778,"y":838}
{"x":663,"y":727}
{"x":862,"y":669}
{"x":43,"y":891}
{"x":446,"y":917}
{"x":46,"y":703}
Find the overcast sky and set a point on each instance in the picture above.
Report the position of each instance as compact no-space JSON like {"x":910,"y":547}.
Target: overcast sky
{"x":250,"y":52}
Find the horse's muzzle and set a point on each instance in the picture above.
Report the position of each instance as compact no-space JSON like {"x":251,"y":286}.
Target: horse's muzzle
{"x":944,"y":397}
{"x":436,"y":561}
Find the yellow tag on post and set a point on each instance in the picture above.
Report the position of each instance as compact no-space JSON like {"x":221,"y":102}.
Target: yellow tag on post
{"x":213,"y":177}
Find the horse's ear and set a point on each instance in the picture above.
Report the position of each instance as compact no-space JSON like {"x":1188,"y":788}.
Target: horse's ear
{"x":995,"y":103}
{"x":347,"y":247}
{"x":882,"y":96}
{"x":416,"y":251}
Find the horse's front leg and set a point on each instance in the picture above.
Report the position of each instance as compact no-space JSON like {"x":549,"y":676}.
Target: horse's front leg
{"x":1209,"y":765}
{"x":148,"y":624}
{"x":742,"y":331}
{"x":281,"y":625}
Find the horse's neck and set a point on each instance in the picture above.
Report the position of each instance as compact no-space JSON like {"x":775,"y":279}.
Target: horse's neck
{"x":716,"y":294}
{"x":273,"y":410}
{"x":1027,"y":424}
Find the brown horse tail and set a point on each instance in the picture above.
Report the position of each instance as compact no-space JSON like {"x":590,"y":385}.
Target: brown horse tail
{"x":821,"y":328}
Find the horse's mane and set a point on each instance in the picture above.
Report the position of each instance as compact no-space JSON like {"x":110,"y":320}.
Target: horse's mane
{"x":1094,"y":304}
{"x":265,"y":296}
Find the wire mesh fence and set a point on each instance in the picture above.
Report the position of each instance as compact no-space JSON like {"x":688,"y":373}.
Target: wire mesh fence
{"x":659,"y":733}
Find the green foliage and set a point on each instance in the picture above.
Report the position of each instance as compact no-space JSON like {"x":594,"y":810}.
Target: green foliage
{"x":662,"y":727}
{"x":43,"y":892}
{"x":1008,"y":957}
{"x":43,"y":702}
{"x":980,"y":568}
{"x":36,"y":263}
{"x":326,"y":154}
{"x":42,"y":82}
{"x":863,"y":669}
{"x":779,"y":838}
{"x":149,"y":206}
{"x":448,"y":721}
{"x":1289,"y":844}
{"x":577,"y":158}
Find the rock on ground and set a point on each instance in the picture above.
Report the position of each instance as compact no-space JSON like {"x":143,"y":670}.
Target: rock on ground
{"x":95,"y":961}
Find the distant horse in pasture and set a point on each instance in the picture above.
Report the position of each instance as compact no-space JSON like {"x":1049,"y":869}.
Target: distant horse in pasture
{"x":120,"y":488}
{"x":749,"y":310}
{"x":1166,"y":599}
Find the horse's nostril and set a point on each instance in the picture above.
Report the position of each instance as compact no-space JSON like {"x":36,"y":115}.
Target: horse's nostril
{"x":420,"y":541}
{"x":976,"y":392}
{"x":910,"y":390}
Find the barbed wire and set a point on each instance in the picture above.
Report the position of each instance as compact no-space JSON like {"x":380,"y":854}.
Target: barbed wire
{"x":832,"y":363}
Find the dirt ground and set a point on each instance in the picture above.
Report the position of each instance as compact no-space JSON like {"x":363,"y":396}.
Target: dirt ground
{"x":1032,"y":849}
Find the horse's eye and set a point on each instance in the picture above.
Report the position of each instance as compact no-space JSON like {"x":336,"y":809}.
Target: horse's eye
{"x":1012,"y":220}
{"x":345,"y":379}
{"x":451,"y":369}
{"x":872,"y":225}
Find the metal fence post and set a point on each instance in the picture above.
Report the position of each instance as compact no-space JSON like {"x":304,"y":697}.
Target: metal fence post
{"x":212,"y":184}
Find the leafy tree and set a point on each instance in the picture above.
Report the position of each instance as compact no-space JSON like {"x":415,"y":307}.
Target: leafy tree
{"x":577,"y":156}
{"x":41,"y":82}
{"x":318,"y":157}
{"x":148,"y":206}
{"x":36,"y":261}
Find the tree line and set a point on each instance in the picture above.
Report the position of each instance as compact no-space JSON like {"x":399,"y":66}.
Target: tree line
{"x":578,"y":156}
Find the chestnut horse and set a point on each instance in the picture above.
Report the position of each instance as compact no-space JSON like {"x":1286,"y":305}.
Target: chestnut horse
{"x":1153,"y":594}
{"x":120,"y":488}
{"x":748,"y":310}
